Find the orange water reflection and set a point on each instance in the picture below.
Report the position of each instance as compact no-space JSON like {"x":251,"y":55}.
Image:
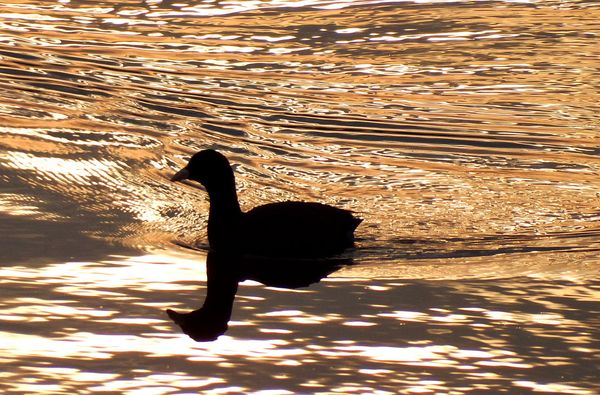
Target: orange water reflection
{"x":466,"y":132}
{"x":396,"y":336}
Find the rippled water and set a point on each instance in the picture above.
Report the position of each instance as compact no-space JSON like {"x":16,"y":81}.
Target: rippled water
{"x":465,"y":133}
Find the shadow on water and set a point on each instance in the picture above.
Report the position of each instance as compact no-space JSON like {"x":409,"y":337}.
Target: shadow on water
{"x":59,"y":231}
{"x":225,"y":272}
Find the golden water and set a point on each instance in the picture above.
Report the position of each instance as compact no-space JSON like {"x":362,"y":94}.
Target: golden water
{"x":465,"y":133}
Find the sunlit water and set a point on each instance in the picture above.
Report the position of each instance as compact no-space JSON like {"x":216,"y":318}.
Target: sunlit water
{"x":466,"y":134}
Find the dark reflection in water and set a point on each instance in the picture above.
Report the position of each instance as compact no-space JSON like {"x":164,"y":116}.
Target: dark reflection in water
{"x":78,"y":326}
{"x":224,"y":272}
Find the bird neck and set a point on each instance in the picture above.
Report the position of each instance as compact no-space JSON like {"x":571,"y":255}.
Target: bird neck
{"x":224,"y":201}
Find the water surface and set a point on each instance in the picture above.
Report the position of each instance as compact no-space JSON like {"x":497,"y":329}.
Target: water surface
{"x":465,"y":133}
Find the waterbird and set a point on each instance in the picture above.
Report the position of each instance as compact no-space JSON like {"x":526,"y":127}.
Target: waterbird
{"x":291,"y":229}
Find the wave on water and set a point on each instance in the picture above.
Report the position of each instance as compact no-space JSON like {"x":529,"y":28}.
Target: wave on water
{"x":445,"y":126}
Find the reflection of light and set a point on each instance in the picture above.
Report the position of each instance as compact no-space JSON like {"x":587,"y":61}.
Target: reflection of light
{"x":37,"y":388}
{"x":300,"y":317}
{"x":553,"y":388}
{"x":284,"y":313}
{"x":225,"y":390}
{"x":406,"y":315}
{"x":467,"y":354}
{"x":220,"y":49}
{"x":66,"y":170}
{"x":134,"y":321}
{"x":375,"y":372}
{"x":281,"y":51}
{"x":263,"y":350}
{"x":450,"y":318}
{"x":289,"y":362}
{"x":349,"y":30}
{"x":59,"y":373}
{"x":12,"y":204}
{"x":504,"y":363}
{"x":430,"y":355}
{"x":37,"y":310}
{"x":106,"y":279}
{"x":358,"y":323}
{"x":132,"y":22}
{"x":272,"y":39}
{"x":29,"y":17}
{"x":271,"y":330}
{"x":152,"y":383}
{"x":543,"y":318}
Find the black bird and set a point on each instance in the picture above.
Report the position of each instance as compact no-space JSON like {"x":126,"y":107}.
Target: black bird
{"x":284,"y":229}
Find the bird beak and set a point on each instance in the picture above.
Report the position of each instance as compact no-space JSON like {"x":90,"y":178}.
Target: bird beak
{"x":182,"y":174}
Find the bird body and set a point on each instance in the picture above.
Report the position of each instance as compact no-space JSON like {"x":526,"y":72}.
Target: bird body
{"x":282,"y":229}
{"x":292,"y":229}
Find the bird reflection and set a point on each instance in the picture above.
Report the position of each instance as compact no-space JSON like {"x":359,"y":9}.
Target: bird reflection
{"x":225,"y":271}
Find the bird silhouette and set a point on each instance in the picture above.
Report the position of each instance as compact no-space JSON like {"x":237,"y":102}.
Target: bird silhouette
{"x":283,"y":229}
